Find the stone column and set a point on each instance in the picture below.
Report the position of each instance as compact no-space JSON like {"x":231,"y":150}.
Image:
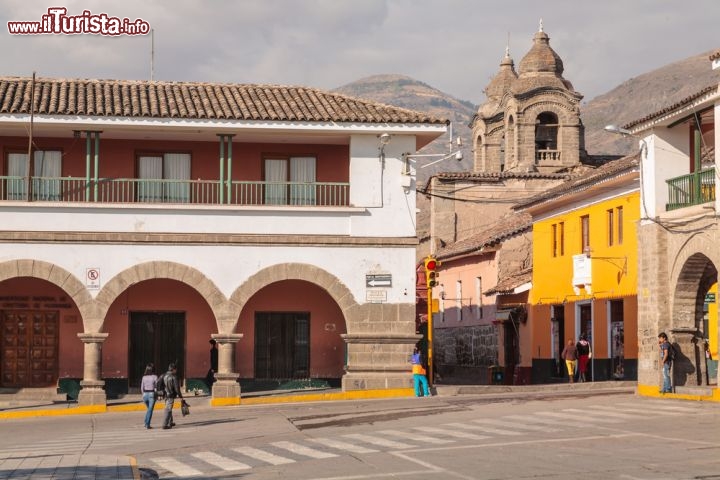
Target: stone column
{"x":226,"y":385}
{"x":92,"y":392}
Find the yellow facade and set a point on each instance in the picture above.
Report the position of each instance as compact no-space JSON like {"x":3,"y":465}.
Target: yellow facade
{"x":604,"y":304}
{"x":613,"y":263}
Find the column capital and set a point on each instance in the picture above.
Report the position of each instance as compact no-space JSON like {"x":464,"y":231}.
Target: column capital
{"x":227,"y":337}
{"x":92,"y":337}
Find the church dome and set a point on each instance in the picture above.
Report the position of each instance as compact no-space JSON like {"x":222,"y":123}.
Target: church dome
{"x":541,"y":67}
{"x":503,"y":79}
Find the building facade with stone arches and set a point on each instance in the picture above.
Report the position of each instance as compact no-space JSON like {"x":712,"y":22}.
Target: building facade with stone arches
{"x":678,"y":236}
{"x":128,"y":239}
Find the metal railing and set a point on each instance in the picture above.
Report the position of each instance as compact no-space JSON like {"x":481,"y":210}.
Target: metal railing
{"x":691,"y":189}
{"x":184,"y":192}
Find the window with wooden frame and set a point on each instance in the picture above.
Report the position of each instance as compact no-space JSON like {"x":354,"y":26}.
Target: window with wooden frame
{"x":619,"y":215}
{"x":561,"y":228}
{"x":46,"y":173}
{"x":290,"y":180}
{"x":165,"y":177}
{"x":610,"y":227}
{"x":585,"y":233}
{"x":554,"y":239}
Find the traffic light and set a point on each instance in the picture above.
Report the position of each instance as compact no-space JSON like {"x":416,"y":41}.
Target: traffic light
{"x":431,"y":274}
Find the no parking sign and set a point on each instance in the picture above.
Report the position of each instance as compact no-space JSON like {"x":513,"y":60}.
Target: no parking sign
{"x":92,"y":278}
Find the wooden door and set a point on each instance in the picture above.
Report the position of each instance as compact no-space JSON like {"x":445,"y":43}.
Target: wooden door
{"x":158,"y":338}
{"x":29,"y":348}
{"x":282,"y":345}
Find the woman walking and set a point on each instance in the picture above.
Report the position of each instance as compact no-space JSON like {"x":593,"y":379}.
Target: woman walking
{"x":569,"y":354}
{"x":147,"y":385}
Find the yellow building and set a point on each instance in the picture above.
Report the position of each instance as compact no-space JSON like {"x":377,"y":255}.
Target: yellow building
{"x":585,"y":272}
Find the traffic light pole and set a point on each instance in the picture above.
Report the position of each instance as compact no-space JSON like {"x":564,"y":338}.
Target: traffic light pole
{"x":430,"y":335}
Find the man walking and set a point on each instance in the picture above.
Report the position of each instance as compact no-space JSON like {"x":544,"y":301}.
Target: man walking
{"x":666,"y":360}
{"x":172,"y":391}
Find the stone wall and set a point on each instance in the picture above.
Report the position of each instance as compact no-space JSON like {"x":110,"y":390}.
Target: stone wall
{"x":465,"y":346}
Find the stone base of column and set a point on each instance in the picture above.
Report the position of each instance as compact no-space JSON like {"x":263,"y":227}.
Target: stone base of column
{"x":226,"y":386}
{"x":92,"y":393}
{"x":376,"y":380}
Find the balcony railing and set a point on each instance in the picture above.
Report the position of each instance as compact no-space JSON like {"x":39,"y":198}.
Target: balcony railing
{"x":691,"y":189}
{"x":184,"y":192}
{"x":547,"y":155}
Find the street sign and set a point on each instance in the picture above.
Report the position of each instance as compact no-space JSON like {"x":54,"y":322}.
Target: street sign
{"x":710,"y":297}
{"x":92,"y":278}
{"x":376,"y":296}
{"x":378,"y":280}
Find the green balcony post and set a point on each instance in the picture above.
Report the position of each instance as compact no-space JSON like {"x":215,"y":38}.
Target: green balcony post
{"x":229,"y":168}
{"x":87,"y":166}
{"x":222,"y":169}
{"x":698,"y":165}
{"x":97,"y":165}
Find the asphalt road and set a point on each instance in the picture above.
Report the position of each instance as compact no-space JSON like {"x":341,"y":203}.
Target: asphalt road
{"x":465,"y":437}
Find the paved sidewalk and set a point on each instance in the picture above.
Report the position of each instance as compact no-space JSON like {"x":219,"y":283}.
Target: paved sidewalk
{"x":70,"y":467}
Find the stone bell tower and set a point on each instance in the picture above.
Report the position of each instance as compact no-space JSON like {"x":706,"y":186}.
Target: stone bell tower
{"x":531,"y":119}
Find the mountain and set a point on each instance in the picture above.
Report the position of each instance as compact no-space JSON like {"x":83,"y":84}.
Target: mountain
{"x":640,"y":96}
{"x":406,"y":92}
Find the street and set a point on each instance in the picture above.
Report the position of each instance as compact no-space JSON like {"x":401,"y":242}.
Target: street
{"x":465,"y":437}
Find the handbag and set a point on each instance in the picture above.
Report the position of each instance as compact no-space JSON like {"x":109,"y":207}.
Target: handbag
{"x":184,"y":408}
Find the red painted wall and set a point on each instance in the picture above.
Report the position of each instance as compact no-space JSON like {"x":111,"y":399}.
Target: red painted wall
{"x":118,"y":157}
{"x":327,"y":349}
{"x":159,"y":295}
{"x":71,"y":350}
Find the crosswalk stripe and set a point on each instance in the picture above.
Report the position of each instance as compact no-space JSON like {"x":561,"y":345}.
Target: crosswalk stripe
{"x":422,"y":439}
{"x":263,"y":456}
{"x":581,"y":416}
{"x":219,"y":461}
{"x":658,"y":406}
{"x":483,"y":429}
{"x":176,"y":467}
{"x":534,"y":419}
{"x":381,"y":442}
{"x":599,"y":411}
{"x":298,"y":449}
{"x":521,"y":426}
{"x":450,"y":433}
{"x":636,"y":411}
{"x":340,"y":445}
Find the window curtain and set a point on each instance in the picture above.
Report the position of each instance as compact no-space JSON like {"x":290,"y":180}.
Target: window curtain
{"x":150,"y":173}
{"x":302,"y":176}
{"x":17,"y":169}
{"x":275,"y":182}
{"x":46,"y":178}
{"x":176,"y":167}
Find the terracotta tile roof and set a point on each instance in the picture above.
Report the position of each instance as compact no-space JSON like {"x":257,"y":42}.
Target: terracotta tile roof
{"x":486,"y":177}
{"x":508,"y":284}
{"x":715,"y":56}
{"x":674,"y":106}
{"x":508,"y":226}
{"x":581,"y":182}
{"x":129,"y":98}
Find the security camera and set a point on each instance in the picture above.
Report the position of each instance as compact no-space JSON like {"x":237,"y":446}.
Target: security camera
{"x":458,"y":155}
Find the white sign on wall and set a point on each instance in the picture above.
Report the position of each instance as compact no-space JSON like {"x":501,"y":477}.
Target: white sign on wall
{"x":92,"y":278}
{"x":582,"y":273}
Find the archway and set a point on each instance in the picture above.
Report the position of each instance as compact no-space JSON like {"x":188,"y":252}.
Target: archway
{"x":689,"y":330}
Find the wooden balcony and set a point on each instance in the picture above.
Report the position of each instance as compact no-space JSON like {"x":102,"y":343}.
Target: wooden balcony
{"x":179,"y":192}
{"x":691,"y":189}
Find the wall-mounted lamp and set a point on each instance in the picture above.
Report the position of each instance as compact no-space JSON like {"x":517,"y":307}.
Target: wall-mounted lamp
{"x":618,"y":130}
{"x":384,"y":140}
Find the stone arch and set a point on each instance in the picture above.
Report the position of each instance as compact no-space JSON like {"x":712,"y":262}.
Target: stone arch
{"x":221,"y":308}
{"x":54,"y":274}
{"x":298,"y":271}
{"x":693,"y":274}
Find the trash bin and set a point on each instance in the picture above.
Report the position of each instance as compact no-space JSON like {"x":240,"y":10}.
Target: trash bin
{"x":496,"y":375}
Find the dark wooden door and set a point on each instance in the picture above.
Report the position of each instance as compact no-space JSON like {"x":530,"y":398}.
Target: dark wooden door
{"x":158,"y":338}
{"x":29,"y":348}
{"x":282,"y":345}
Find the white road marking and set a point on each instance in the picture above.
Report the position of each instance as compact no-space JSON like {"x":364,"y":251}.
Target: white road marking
{"x":482,"y":429}
{"x":534,"y":419}
{"x":451,"y":433}
{"x":602,"y":413}
{"x":224,"y":463}
{"x":581,"y":416}
{"x":381,"y":442}
{"x":298,"y":449}
{"x":261,"y":455}
{"x":176,"y":467}
{"x":637,"y":411}
{"x":340,"y":445}
{"x":521,"y":426}
{"x":415,"y":437}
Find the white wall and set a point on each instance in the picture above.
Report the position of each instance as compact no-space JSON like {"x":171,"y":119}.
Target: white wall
{"x":667,"y":157}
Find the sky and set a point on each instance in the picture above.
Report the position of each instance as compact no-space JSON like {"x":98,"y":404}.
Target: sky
{"x":453,"y":45}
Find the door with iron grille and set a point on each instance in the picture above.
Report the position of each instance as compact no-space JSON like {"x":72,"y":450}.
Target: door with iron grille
{"x":158,"y":338}
{"x":29,"y":348}
{"x":282,"y":345}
